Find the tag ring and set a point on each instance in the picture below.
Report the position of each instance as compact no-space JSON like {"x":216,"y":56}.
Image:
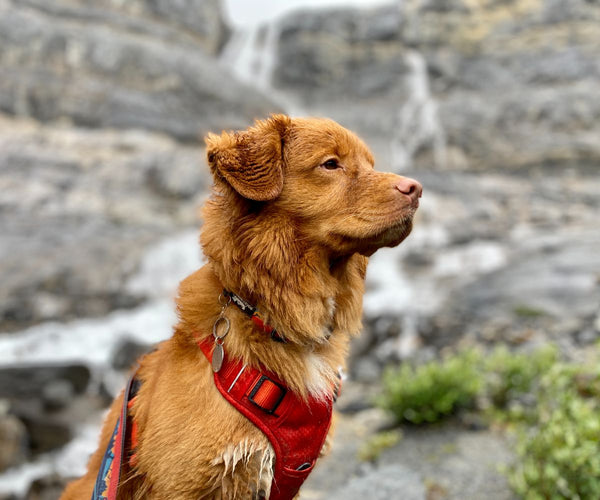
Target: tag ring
{"x":220,"y":338}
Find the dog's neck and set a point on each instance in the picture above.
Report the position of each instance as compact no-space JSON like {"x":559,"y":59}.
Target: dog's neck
{"x":298,"y":287}
{"x":315,"y":302}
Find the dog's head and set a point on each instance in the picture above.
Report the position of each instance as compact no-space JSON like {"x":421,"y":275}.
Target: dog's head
{"x":321,"y":176}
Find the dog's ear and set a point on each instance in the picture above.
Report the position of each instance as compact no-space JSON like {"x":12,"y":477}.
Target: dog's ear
{"x":251,"y":161}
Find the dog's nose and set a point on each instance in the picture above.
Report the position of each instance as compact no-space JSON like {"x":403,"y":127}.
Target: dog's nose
{"x":410,"y":187}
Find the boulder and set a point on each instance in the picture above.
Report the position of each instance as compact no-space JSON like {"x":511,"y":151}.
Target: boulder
{"x":38,"y":381}
{"x":45,"y":433}
{"x":127,"y":352}
{"x":46,"y":488}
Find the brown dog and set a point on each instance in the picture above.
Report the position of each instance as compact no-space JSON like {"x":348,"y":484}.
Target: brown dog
{"x":296,"y":210}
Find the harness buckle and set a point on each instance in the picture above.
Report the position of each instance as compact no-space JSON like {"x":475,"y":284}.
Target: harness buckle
{"x":267,"y":394}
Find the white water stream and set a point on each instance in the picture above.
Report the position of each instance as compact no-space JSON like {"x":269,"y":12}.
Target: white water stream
{"x":92,"y":341}
{"x":417,"y":121}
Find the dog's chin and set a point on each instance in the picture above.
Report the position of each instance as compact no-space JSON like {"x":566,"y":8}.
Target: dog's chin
{"x":390,"y":237}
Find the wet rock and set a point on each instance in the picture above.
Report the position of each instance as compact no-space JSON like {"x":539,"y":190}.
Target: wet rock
{"x":45,"y":432}
{"x":13,"y":441}
{"x":57,"y":394}
{"x":127,"y":352}
{"x":46,"y":488}
{"x":33,"y":381}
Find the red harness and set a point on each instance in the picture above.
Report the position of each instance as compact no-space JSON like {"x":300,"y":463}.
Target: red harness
{"x":296,"y":429}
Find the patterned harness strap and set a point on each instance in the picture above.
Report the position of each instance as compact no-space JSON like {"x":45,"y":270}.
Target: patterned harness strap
{"x":107,"y":481}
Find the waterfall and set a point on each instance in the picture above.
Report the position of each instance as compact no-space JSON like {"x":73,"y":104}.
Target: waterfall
{"x":417,"y":121}
{"x":251,"y":55}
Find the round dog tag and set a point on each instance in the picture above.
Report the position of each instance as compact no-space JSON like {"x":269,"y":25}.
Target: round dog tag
{"x":217,"y":357}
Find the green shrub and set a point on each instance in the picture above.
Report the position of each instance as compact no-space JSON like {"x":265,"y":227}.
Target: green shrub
{"x":558,"y":404}
{"x":510,"y":375}
{"x":559,"y":457}
{"x":429,"y":392}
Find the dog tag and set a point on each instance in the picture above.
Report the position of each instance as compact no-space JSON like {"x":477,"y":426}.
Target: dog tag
{"x":217,"y":357}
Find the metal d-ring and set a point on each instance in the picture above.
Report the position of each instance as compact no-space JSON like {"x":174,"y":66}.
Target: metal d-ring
{"x":220,"y":338}
{"x":227,"y":299}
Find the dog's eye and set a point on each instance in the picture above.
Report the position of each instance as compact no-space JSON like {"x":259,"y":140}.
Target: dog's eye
{"x":331,"y":164}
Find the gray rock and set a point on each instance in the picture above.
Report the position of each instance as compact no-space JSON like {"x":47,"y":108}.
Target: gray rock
{"x":46,"y":488}
{"x":390,"y":481}
{"x":13,"y":441}
{"x":31,"y":381}
{"x":127,"y":352}
{"x":45,"y":432}
{"x":77,"y":210}
{"x":197,"y":22}
{"x":102,"y":72}
{"x":458,"y":464}
{"x":454,"y":84}
{"x":335,"y":52}
{"x":57,"y":394}
{"x":538,"y":295}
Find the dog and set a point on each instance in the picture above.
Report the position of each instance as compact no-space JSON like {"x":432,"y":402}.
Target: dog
{"x":295,"y":211}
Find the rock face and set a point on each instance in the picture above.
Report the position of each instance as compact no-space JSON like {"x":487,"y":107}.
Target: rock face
{"x":106,"y":67}
{"x":353,"y":66}
{"x":79,"y":201}
{"x":38,"y":405}
{"x":78,"y":207}
{"x":459,"y":84}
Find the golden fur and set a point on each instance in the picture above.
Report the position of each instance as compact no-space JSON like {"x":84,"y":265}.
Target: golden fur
{"x":296,"y":210}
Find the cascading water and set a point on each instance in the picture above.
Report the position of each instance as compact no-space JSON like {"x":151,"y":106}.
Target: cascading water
{"x":251,"y":56}
{"x":417,"y":121}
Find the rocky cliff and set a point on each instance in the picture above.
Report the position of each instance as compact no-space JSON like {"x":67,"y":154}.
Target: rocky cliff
{"x":124,"y":65}
{"x":79,"y":199}
{"x":469,"y":84}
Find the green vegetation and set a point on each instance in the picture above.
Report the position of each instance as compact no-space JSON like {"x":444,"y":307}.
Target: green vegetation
{"x":378,"y":443}
{"x":432,"y":391}
{"x":555,"y":406}
{"x":560,"y":455}
{"x":525,"y":311}
{"x":509,"y":375}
